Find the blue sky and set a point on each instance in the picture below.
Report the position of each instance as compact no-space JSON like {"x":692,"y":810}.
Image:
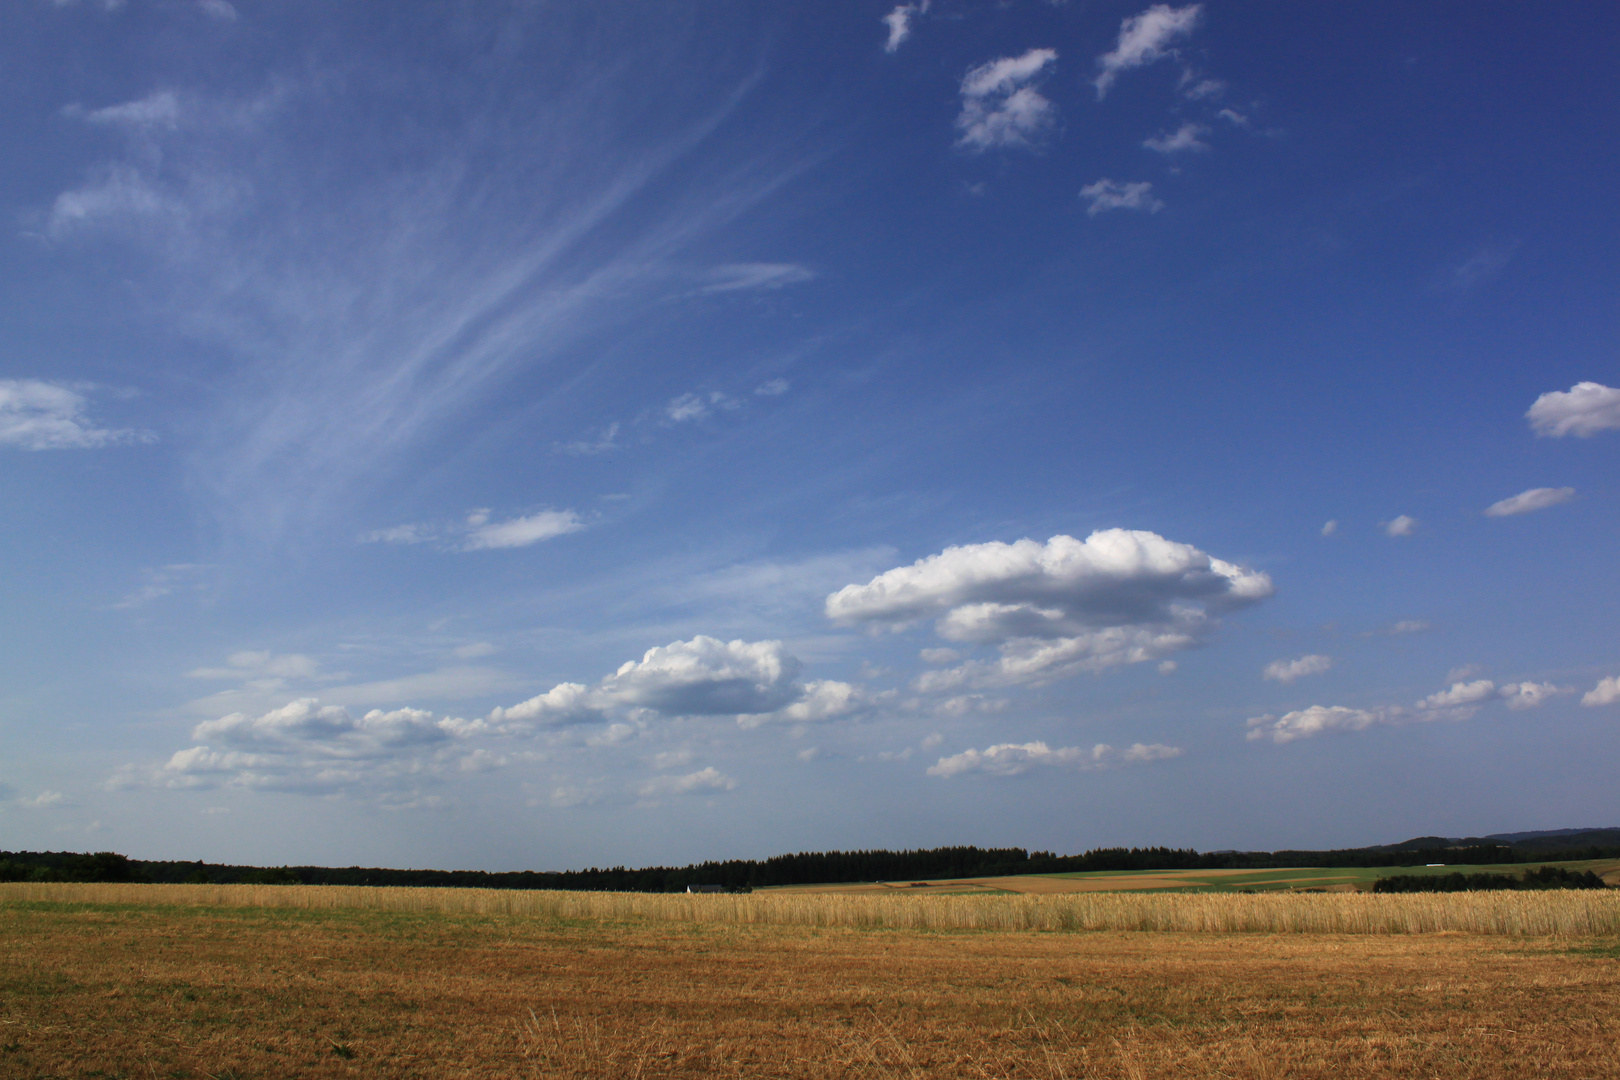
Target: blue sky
{"x":539,"y":435}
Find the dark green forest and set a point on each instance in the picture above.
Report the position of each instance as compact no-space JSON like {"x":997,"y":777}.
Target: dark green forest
{"x":812,"y":868}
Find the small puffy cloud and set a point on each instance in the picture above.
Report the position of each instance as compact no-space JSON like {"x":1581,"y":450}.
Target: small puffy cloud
{"x":1194,"y":88}
{"x":38,"y":802}
{"x":1460,"y":693}
{"x":1316,"y":720}
{"x":331,"y":727}
{"x":313,"y":748}
{"x":1144,"y":39}
{"x":1010,"y":759}
{"x":1000,"y":105}
{"x":704,"y":780}
{"x":1167,"y":667}
{"x":823,"y":699}
{"x":36,"y":415}
{"x":1606,"y":692}
{"x":1286,"y":671}
{"x":523,"y":531}
{"x":1233,"y":117}
{"x":1106,"y":195}
{"x":1054,"y":609}
{"x":1583,"y":410}
{"x":1407,"y":626}
{"x":899,"y":23}
{"x":1329,"y":528}
{"x":1526,"y":501}
{"x":939,"y":656}
{"x":752,"y":681}
{"x":1528,"y":695}
{"x":1401,"y":526}
{"x":686,"y":407}
{"x":1184,"y":139}
{"x":565,"y":703}
{"x":708,"y":677}
{"x":773,"y":388}
{"x":221,"y":10}
{"x":741,"y":277}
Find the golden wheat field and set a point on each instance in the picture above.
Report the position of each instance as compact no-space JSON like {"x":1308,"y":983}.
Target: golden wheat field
{"x":288,"y":981}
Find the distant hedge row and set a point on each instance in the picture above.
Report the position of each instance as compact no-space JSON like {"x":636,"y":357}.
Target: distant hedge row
{"x":1547,"y":877}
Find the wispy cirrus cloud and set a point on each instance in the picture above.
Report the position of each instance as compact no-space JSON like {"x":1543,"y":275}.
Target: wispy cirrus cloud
{"x":747,"y":277}
{"x":40,"y":415}
{"x":363,"y":310}
{"x":479,"y":531}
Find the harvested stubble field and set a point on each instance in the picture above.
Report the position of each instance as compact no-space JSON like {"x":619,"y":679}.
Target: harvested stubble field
{"x":146,"y":981}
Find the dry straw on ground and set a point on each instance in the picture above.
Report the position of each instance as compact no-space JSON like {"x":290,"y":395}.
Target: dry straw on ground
{"x":334,"y":993}
{"x":1552,"y":913}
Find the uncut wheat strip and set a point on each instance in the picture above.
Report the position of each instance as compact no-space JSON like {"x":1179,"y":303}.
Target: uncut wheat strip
{"x":1556,"y":914}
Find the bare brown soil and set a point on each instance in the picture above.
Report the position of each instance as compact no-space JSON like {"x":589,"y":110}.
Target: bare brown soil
{"x":141,"y":991}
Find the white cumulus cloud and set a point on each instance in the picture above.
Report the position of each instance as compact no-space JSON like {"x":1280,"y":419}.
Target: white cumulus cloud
{"x":1304,"y":723}
{"x":1606,"y":692}
{"x":1401,"y":526}
{"x":1000,"y":105}
{"x":1528,"y":695}
{"x":708,"y":677}
{"x":1583,"y":410}
{"x":565,"y":703}
{"x":36,"y":415}
{"x":1010,"y":759}
{"x":1106,"y":195}
{"x":309,"y":747}
{"x":1188,"y":137}
{"x":1286,"y":671}
{"x":1526,"y":501}
{"x":1460,"y":693}
{"x":1053,"y":609}
{"x":1144,"y":39}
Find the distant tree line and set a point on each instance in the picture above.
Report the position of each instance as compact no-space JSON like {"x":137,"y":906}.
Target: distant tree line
{"x":804,"y":868}
{"x":1547,"y":877}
